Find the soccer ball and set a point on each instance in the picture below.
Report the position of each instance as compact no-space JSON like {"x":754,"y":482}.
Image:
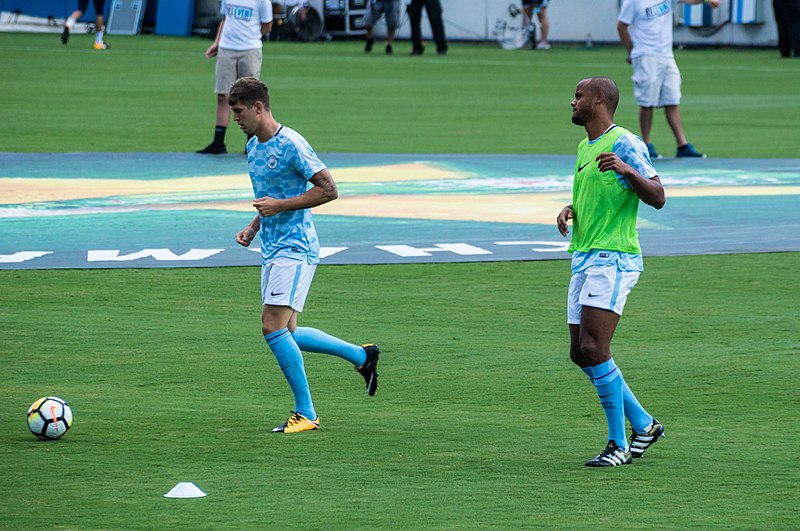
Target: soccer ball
{"x":49,"y":418}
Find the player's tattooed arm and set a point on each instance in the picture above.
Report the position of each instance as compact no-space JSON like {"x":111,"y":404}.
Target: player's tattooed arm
{"x":324,"y":190}
{"x":323,"y":180}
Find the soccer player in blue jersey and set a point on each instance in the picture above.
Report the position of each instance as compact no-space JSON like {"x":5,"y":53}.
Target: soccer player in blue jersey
{"x":613,"y":172}
{"x":282,"y":164}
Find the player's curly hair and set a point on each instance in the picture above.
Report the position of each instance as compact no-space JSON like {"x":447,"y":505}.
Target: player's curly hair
{"x":249,"y":90}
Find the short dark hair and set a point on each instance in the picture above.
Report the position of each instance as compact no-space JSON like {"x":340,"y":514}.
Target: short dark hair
{"x":249,"y":90}
{"x":608,"y":87}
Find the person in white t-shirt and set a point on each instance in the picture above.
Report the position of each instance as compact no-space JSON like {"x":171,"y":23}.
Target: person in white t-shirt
{"x":237,"y":48}
{"x":645,"y":28}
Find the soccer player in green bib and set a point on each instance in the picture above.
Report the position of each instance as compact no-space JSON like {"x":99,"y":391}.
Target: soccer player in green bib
{"x":613,"y":172}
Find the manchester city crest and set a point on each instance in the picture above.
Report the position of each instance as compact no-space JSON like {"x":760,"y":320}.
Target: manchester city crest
{"x":272,"y":162}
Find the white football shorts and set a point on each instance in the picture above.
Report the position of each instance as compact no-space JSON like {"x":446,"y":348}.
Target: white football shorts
{"x":606,"y":287}
{"x":656,"y":81}
{"x":285,"y":282}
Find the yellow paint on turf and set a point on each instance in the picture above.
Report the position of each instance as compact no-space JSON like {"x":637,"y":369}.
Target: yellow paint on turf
{"x":416,"y":171}
{"x":524,"y":207}
{"x":16,"y":190}
{"x":21,"y":190}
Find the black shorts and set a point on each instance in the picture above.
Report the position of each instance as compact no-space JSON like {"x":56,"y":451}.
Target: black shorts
{"x":98,"y":6}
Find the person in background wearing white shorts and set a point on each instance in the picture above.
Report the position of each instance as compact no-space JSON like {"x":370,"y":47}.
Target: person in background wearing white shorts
{"x":282,"y":164}
{"x":645,"y":29}
{"x":613,"y":172}
{"x":237,"y":48}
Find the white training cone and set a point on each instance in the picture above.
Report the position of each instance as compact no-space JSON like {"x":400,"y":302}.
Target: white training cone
{"x":185,"y":489}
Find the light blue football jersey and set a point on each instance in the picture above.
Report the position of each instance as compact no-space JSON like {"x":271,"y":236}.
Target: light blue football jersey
{"x":280,"y":168}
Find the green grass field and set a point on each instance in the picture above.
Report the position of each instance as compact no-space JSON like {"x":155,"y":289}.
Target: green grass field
{"x":156,"y":94}
{"x":481,"y":421}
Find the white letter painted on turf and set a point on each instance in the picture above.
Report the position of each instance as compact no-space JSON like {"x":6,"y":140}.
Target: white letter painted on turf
{"x":157,"y":254}
{"x":462,"y":249}
{"x":21,"y":256}
{"x":325,"y":252}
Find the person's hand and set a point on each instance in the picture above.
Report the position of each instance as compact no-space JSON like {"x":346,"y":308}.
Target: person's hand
{"x":245,"y":236}
{"x":267,"y":206}
{"x":610,"y":161}
{"x":565,"y":215}
{"x":714,"y":3}
{"x":629,"y":60}
{"x":212,"y":51}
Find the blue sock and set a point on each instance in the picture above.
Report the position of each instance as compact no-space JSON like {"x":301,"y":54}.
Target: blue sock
{"x":606,"y":378}
{"x":634,"y":412}
{"x":313,"y":340}
{"x":290,"y":360}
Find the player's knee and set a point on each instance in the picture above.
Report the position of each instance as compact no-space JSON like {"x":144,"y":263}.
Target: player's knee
{"x":577,"y":357}
{"x":269,"y":329}
{"x":269,"y":326}
{"x":591,"y":350}
{"x":272,"y":322}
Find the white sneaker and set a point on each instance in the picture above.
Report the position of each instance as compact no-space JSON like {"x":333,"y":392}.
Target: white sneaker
{"x":543,"y":45}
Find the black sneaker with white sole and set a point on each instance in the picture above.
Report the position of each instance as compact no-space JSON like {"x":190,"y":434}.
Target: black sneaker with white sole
{"x":642,"y":441}
{"x":612,"y":455}
{"x":370,"y":368}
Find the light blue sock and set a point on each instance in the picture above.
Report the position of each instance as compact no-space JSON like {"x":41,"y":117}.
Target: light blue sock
{"x":290,"y":360}
{"x":639,"y":418}
{"x":313,"y":340}
{"x":636,"y":414}
{"x":606,"y":378}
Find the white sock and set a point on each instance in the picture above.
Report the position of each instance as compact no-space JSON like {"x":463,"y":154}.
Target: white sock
{"x":98,"y":37}
{"x":70,"y":22}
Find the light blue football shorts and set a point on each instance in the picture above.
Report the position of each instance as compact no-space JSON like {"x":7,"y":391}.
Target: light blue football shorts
{"x":603,"y":286}
{"x":285,"y":282}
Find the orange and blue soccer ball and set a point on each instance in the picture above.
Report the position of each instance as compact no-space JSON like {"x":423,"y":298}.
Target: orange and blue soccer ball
{"x":49,"y":418}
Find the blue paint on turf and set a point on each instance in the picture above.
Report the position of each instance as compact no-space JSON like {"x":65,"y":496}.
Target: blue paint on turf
{"x":68,"y":230}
